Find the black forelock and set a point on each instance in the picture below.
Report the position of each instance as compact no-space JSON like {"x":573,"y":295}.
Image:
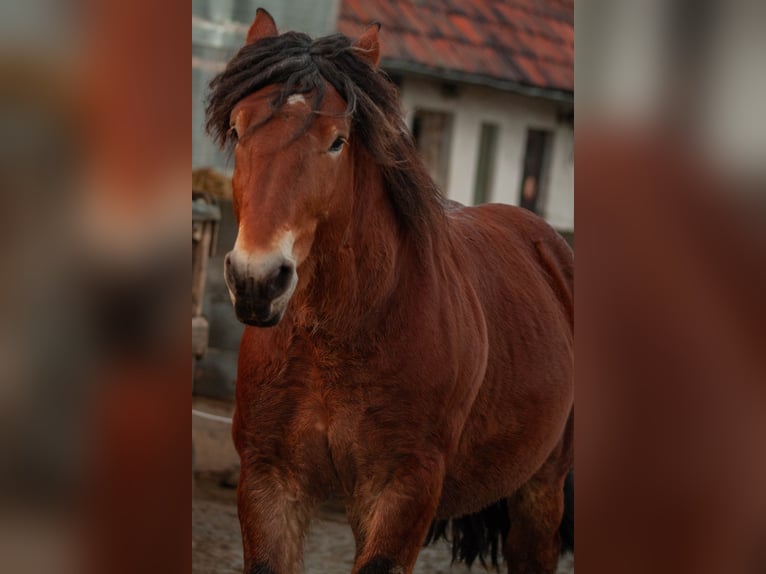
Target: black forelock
{"x":295,"y":62}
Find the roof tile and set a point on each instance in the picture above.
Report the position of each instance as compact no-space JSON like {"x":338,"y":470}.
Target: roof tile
{"x":525,"y":41}
{"x":412,"y":20}
{"x":466,"y":27}
{"x":354,"y":9}
{"x":483,"y":10}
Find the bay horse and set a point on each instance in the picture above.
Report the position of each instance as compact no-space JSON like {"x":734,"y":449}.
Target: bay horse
{"x":403,"y":353}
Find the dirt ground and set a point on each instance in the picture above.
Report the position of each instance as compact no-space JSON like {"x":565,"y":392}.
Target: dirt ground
{"x":216,"y":543}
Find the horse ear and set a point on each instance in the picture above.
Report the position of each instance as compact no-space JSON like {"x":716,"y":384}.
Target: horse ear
{"x":262,"y":27}
{"x":367,"y":47}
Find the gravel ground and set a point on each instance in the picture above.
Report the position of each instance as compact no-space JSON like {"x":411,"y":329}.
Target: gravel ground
{"x":217,"y":549}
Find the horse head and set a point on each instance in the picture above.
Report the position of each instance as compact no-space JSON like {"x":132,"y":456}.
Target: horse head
{"x":293,"y":173}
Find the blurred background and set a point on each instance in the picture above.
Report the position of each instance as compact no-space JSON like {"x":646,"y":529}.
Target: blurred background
{"x":671,"y":273}
{"x":94,"y":172}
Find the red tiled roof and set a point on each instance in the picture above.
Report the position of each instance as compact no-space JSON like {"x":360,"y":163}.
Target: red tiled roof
{"x":507,"y":42}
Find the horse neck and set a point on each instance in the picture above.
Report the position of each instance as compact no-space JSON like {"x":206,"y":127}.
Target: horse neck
{"x":357,"y":262}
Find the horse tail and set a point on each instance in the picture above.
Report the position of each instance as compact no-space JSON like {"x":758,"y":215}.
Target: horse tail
{"x":566,"y":530}
{"x":482,"y":535}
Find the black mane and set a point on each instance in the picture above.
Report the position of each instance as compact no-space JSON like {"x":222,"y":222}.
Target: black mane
{"x":300,"y":65}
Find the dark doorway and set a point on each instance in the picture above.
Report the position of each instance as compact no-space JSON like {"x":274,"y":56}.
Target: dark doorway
{"x":535,"y":159}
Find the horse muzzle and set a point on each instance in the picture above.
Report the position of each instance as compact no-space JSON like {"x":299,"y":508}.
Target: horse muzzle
{"x":260,"y":287}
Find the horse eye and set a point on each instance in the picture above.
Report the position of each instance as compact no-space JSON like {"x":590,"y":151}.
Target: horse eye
{"x":337,"y":145}
{"x":233,"y":134}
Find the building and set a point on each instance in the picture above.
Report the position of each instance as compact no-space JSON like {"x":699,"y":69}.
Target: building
{"x":487,"y":87}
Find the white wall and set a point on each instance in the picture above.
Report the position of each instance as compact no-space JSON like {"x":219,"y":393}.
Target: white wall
{"x":513,"y":114}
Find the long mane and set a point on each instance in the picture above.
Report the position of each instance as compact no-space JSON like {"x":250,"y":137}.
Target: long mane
{"x":300,"y":65}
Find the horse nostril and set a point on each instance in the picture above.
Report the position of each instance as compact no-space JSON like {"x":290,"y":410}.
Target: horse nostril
{"x":285,"y":271}
{"x":228,"y":269}
{"x":279,"y":282}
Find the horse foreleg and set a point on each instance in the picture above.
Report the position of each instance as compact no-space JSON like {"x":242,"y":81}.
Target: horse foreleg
{"x":274,"y":517}
{"x":390,"y":523}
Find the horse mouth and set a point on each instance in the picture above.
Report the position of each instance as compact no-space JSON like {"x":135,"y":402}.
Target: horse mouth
{"x":258,"y":315}
{"x":257,"y":322}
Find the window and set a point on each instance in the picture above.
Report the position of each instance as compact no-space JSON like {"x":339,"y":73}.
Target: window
{"x":485,"y":164}
{"x":432,"y":132}
{"x":535,"y":160}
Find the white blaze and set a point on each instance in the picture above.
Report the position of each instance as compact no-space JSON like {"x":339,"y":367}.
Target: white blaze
{"x":296,"y":99}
